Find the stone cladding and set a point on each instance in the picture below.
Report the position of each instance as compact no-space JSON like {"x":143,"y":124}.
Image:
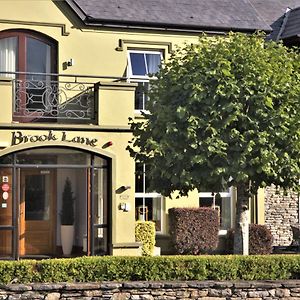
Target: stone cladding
{"x":152,"y":290}
{"x":281,"y":211}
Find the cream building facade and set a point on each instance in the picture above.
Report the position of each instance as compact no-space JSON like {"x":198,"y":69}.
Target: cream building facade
{"x":69,"y":84}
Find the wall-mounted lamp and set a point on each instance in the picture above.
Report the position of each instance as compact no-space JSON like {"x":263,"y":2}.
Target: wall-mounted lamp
{"x":125,"y":187}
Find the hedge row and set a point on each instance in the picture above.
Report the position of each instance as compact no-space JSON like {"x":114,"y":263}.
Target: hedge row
{"x":109,"y":268}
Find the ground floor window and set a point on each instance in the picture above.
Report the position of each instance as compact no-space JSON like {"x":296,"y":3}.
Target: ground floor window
{"x":148,"y":205}
{"x":32,"y":184}
{"x":221,"y":202}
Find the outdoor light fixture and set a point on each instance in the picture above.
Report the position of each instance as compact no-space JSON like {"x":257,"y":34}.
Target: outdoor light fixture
{"x":125,"y":187}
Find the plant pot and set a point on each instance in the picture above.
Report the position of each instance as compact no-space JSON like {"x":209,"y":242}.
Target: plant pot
{"x":67,"y":237}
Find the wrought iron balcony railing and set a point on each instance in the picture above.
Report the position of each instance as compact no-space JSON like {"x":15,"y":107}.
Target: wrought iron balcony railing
{"x":41,"y":97}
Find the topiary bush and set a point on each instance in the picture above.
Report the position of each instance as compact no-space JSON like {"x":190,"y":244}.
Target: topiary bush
{"x":194,"y":230}
{"x":260,"y":240}
{"x":145,"y":233}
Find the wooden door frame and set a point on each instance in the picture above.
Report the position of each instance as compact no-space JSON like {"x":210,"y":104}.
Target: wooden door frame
{"x":53,"y":205}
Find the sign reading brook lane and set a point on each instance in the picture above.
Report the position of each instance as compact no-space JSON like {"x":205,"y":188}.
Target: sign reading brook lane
{"x":19,"y":138}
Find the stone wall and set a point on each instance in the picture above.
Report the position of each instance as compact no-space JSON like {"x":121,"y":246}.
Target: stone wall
{"x":281,"y":211}
{"x":213,"y":290}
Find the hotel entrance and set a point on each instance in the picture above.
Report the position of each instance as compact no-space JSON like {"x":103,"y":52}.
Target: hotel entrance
{"x":33,"y":183}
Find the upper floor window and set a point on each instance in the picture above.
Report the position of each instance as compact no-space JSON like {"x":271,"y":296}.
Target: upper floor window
{"x":27,"y":51}
{"x":142,"y":64}
{"x":148,"y":205}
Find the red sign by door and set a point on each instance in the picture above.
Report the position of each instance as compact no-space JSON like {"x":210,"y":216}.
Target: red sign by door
{"x":5,"y":187}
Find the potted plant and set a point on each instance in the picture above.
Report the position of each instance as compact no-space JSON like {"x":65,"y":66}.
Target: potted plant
{"x":67,"y":218}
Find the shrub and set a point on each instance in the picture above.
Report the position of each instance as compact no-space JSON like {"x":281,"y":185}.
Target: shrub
{"x":194,"y":230}
{"x":145,"y":233}
{"x":260,"y":239}
{"x":113,"y":268}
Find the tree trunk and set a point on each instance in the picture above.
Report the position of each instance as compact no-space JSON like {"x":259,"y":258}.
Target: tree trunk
{"x":241,"y":232}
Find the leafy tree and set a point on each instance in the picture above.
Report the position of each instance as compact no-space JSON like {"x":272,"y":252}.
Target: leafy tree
{"x":223,"y":112}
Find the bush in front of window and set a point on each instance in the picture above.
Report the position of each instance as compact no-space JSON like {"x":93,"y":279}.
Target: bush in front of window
{"x":194,"y":230}
{"x":145,"y":233}
{"x":260,"y":240}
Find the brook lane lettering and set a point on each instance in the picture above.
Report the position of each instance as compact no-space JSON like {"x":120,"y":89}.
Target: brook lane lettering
{"x":18,"y":138}
{"x":79,"y":140}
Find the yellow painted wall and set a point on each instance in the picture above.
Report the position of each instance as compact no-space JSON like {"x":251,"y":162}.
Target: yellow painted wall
{"x":95,"y":52}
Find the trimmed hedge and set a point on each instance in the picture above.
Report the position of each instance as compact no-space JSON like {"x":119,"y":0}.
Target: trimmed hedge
{"x":110,"y":268}
{"x":145,"y":233}
{"x":194,"y":230}
{"x":260,"y":239}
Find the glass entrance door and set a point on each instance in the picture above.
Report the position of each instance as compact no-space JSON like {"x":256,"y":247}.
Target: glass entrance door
{"x":37,"y":222}
{"x":30,"y":216}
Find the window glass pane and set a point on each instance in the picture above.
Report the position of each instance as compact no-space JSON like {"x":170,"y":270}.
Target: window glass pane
{"x":100,"y":241}
{"x":223,"y":205}
{"x":38,"y":56}
{"x":100,"y":196}
{"x":8,"y":55}
{"x":139,"y":178}
{"x":7,"y":159}
{"x":6,"y":243}
{"x":141,"y":95}
{"x":138,"y":66}
{"x":53,"y":156}
{"x":6,"y":203}
{"x":149,"y":209}
{"x":37,"y":195}
{"x":153,"y":62}
{"x":100,"y":162}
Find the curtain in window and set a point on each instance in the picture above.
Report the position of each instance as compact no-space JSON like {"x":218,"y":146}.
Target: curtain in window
{"x":153,"y":62}
{"x":8,"y":50}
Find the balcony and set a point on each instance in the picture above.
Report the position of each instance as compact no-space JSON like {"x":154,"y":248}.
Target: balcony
{"x":66,"y":99}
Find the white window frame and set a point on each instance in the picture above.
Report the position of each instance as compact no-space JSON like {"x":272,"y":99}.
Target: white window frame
{"x":228,"y":194}
{"x":145,"y":195}
{"x":140,"y":78}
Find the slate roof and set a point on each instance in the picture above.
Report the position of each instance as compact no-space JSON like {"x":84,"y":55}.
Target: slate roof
{"x":192,"y":14}
{"x":291,"y":27}
{"x":213,"y":15}
{"x":273,"y":12}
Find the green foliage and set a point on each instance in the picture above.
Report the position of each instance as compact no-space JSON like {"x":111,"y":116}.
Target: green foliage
{"x":194,"y":230}
{"x":223,"y":110}
{"x":145,"y":233}
{"x":110,"y":268}
{"x":67,"y":211}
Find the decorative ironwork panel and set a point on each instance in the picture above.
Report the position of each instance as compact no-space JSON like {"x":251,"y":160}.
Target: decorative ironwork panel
{"x":42,"y":100}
